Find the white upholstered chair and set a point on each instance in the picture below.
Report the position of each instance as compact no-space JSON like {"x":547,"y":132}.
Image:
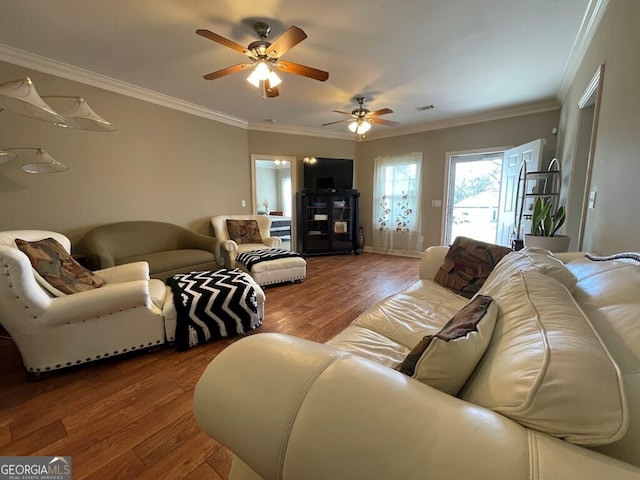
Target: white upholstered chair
{"x":230,"y":249}
{"x":56,"y":332}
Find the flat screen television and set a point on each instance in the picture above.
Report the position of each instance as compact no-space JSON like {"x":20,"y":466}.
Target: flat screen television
{"x":328,"y":174}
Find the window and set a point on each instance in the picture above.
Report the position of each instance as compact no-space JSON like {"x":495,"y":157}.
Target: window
{"x":396,"y":203}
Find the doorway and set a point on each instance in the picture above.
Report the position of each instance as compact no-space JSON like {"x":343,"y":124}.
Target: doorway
{"x":272,"y":180}
{"x":580,"y":190}
{"x":482,"y":190}
{"x":473,"y":196}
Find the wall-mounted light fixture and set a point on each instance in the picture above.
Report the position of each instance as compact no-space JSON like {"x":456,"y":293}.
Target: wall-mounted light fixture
{"x":36,"y":160}
{"x":21,"y":97}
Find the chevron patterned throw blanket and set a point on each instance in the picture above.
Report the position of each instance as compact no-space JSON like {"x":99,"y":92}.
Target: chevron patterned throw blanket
{"x":249,"y":259}
{"x":212,"y":305}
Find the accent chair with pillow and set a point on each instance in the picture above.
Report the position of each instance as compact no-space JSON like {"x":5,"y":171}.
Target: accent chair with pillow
{"x":536,"y":377}
{"x":60,"y":314}
{"x":242,"y":233}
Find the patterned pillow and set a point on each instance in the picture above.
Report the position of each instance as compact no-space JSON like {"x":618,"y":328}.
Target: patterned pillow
{"x":447,"y":359}
{"x":62,"y":275}
{"x":467,"y":265}
{"x":244,"y":231}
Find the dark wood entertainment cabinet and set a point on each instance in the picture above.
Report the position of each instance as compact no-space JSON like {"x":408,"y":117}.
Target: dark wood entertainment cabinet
{"x":327,"y":222}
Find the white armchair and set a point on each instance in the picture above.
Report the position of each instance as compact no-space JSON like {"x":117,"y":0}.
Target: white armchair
{"x":56,"y":332}
{"x":230,"y":249}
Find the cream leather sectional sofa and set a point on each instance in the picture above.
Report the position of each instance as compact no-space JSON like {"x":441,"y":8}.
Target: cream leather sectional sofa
{"x":556,"y":394}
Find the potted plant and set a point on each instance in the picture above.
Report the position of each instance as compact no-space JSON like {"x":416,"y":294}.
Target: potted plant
{"x":544,"y":225}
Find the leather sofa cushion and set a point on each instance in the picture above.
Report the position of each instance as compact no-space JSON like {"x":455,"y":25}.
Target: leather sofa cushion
{"x":388,"y":331}
{"x":527,"y":260}
{"x":546,"y":367}
{"x":447,"y":359}
{"x":608,"y":294}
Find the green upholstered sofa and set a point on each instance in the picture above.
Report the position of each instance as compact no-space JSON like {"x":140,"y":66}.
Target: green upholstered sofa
{"x":167,"y":248}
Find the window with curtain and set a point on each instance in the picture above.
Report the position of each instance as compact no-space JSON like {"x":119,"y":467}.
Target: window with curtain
{"x":396,"y":203}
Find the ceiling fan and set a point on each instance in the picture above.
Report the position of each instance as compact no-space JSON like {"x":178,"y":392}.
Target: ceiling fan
{"x":362,"y":118}
{"x":264,"y":55}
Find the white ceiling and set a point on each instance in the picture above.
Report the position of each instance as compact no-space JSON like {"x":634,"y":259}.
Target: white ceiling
{"x":466,"y":57}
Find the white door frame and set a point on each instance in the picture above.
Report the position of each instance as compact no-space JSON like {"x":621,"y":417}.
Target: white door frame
{"x":448,"y":209}
{"x":593,"y":89}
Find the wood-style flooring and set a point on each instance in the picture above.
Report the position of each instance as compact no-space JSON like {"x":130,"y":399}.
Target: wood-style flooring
{"x":130,"y":417}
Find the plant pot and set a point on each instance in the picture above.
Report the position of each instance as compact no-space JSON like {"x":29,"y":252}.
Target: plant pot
{"x":557,"y":243}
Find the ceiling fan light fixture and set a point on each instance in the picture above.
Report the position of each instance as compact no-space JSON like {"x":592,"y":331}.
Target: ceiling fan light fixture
{"x":360,"y":127}
{"x":274,"y":79}
{"x":262,"y":70}
{"x":253,"y":79}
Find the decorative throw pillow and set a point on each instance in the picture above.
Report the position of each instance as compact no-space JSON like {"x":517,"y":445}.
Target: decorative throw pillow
{"x":62,"y":275}
{"x":244,"y":231}
{"x":467,"y":265}
{"x":447,"y":359}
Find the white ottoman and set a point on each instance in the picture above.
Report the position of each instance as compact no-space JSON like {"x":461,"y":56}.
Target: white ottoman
{"x":279,"y":270}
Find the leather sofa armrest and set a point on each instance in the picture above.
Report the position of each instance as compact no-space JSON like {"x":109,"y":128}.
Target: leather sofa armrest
{"x":98,"y":302}
{"x":126,"y":272}
{"x":291,"y":408}
{"x":432,"y":259}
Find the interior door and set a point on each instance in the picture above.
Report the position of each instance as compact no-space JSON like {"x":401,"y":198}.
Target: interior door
{"x":531,"y":154}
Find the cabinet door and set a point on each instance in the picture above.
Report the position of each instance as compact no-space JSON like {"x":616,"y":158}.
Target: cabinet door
{"x":317,"y":217}
{"x":342,"y":223}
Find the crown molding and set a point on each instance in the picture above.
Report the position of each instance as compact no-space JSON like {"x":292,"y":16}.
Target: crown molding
{"x":590,"y":22}
{"x":466,"y":120}
{"x":69,"y":72}
{"x":52,"y":67}
{"x":415,"y":128}
{"x":295,"y":130}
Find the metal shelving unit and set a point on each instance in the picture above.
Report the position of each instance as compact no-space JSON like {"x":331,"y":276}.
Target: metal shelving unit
{"x":533,"y":185}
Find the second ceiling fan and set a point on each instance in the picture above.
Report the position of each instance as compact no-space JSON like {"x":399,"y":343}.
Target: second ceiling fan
{"x":362,"y":118}
{"x":264,"y":56}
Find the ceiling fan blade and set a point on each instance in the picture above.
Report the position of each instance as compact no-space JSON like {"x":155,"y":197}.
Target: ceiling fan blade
{"x":337,"y":121}
{"x":388,"y":123}
{"x":382,"y":111}
{"x":224,"y":41}
{"x":226,"y":71}
{"x":303,"y":70}
{"x":285,"y":42}
{"x":344,"y":113}
{"x":269,"y":90}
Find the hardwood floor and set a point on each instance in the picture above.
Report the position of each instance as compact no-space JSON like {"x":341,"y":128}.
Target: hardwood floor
{"x":130,"y":417}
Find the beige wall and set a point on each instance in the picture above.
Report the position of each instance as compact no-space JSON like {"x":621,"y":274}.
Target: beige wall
{"x":614,"y":224}
{"x":434,"y":146}
{"x":160,"y":164}
{"x":170,"y":166}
